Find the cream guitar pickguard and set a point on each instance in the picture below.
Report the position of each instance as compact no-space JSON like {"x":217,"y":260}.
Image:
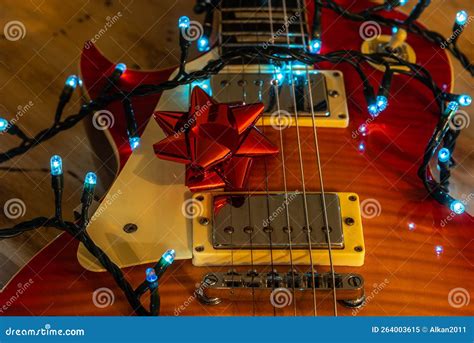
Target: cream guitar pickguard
{"x":148,"y":192}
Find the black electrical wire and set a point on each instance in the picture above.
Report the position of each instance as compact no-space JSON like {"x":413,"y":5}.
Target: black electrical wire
{"x":273,"y":55}
{"x":278,"y":54}
{"x":412,"y":27}
{"x":79,"y":233}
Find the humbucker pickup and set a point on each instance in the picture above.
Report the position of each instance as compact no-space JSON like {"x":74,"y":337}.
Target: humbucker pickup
{"x":302,"y":92}
{"x":234,"y":229}
{"x":245,"y":222}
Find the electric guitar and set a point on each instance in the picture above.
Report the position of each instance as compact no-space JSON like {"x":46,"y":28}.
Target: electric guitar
{"x":333,"y":220}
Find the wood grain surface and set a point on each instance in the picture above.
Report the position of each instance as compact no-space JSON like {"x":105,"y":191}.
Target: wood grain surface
{"x":34,"y":68}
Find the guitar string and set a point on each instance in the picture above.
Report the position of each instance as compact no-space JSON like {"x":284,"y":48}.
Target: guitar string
{"x":320,"y":170}
{"x":248,"y":198}
{"x":252,"y":268}
{"x":231,"y":232}
{"x":300,"y":154}
{"x":250,"y":227}
{"x":231,"y":229}
{"x":250,"y":233}
{"x":282,"y":154}
{"x":267,"y":194}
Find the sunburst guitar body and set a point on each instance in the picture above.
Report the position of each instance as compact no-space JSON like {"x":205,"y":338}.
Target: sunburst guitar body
{"x":387,"y":230}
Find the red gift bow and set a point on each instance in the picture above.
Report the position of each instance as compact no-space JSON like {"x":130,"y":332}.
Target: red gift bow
{"x":217,"y":142}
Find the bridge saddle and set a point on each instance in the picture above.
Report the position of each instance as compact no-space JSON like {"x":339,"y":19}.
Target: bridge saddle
{"x":273,"y":287}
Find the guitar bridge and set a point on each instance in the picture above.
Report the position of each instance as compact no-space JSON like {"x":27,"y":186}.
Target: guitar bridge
{"x":244,"y":229}
{"x":253,"y":286}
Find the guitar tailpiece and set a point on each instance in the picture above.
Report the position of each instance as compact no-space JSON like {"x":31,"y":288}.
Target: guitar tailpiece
{"x":268,"y":287}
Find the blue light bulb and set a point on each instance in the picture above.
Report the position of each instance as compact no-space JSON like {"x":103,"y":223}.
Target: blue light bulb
{"x":411,"y":226}
{"x":297,"y":64}
{"x":444,"y":155}
{"x":183,"y":22}
{"x":169,"y":256}
{"x":315,"y":45}
{"x":394,"y":30}
{"x":403,"y":2}
{"x":457,"y":207}
{"x":461,"y":17}
{"x":203,"y":44}
{"x":453,"y":106}
{"x":439,"y":250}
{"x":56,"y":164}
{"x":3,"y":124}
{"x":90,"y":179}
{"x":361,"y":147}
{"x":279,"y":76}
{"x":373,"y":110}
{"x":204,"y":85}
{"x":72,"y":81}
{"x":464,"y":100}
{"x":151,"y":275}
{"x":134,"y":142}
{"x":382,"y":102}
{"x":121,"y":67}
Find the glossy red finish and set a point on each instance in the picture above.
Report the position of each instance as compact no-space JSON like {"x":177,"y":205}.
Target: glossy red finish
{"x":217,"y":142}
{"x":404,"y":271}
{"x":95,"y":69}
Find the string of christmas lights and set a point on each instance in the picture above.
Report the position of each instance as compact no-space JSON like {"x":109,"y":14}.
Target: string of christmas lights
{"x":79,"y":232}
{"x":460,"y":21}
{"x":278,"y":56}
{"x":375,"y":104}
